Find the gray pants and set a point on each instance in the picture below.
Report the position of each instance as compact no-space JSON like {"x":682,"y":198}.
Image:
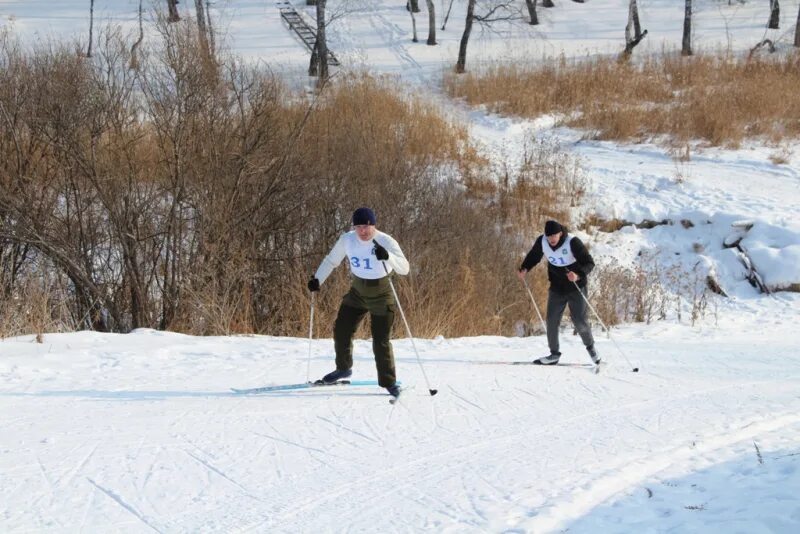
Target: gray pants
{"x":556,"y":302}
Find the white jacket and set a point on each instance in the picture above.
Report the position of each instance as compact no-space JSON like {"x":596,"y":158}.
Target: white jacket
{"x":361,"y":256}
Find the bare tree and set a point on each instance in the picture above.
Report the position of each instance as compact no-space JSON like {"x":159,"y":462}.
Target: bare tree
{"x":202,"y":28}
{"x":322,"y":43}
{"x":774,"y":15}
{"x":797,"y":30}
{"x":431,"y":23}
{"x":497,"y":11}
{"x":413,"y":26}
{"x":91,"y":27}
{"x":447,"y":16}
{"x":313,"y":63}
{"x":462,"y":48}
{"x":413,"y":6}
{"x":210,"y":26}
{"x":172,"y":6}
{"x":134,"y":64}
{"x":686,"y":45}
{"x":633,"y":30}
{"x":633,"y":15}
{"x":534,"y":18}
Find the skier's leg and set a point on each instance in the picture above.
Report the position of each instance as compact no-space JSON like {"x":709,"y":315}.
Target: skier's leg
{"x":381,"y":324}
{"x":556,"y":302}
{"x":347,"y":321}
{"x":578,"y":310}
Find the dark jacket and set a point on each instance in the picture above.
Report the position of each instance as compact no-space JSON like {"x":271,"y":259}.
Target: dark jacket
{"x":584,"y":263}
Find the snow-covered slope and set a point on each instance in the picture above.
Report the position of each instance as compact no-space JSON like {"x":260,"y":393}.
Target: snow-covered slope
{"x":376,"y":34}
{"x":132,"y":433}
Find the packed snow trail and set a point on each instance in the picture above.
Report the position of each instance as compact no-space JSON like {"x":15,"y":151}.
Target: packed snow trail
{"x":130,"y":433}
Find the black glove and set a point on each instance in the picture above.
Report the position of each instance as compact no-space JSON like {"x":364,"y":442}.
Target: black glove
{"x":313,"y":285}
{"x":380,"y":252}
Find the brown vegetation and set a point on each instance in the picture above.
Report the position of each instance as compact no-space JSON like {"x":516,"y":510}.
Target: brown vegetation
{"x":200,"y":196}
{"x":719,"y":99}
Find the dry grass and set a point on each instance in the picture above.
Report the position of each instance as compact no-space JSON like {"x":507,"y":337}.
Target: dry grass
{"x":718,"y":99}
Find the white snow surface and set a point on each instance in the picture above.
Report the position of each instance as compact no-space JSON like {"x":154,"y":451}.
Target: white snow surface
{"x":140,"y":433}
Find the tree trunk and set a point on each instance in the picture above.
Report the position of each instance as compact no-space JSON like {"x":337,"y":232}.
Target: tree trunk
{"x":686,"y":49}
{"x":431,"y":23}
{"x":313,"y":64}
{"x":534,"y":19}
{"x":462,"y":49}
{"x":202,"y":30}
{"x":322,"y":44}
{"x":211,"y":41}
{"x":634,"y":15}
{"x":134,"y":64}
{"x":548,"y":3}
{"x":633,"y":30}
{"x":797,"y":30}
{"x":447,"y":16}
{"x":413,"y":6}
{"x":774,"y":15}
{"x":172,"y":6}
{"x":91,"y":28}
{"x":413,"y":27}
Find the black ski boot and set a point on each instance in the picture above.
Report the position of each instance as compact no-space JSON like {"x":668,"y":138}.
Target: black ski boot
{"x":552,"y":359}
{"x":337,"y":375}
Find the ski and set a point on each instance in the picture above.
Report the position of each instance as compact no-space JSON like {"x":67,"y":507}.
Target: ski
{"x":305,"y":385}
{"x":578,"y":365}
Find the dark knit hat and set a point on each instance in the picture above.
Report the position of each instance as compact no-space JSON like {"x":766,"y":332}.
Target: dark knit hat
{"x":552,"y":228}
{"x":363,"y":216}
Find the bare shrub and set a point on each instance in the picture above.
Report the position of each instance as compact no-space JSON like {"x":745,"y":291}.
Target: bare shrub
{"x":36,"y":306}
{"x":623,"y":294}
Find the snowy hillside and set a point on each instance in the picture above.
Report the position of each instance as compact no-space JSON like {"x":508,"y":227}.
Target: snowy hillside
{"x":376,"y":34}
{"x":140,"y":432}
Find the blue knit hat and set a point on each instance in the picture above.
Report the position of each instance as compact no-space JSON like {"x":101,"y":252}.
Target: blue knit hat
{"x":364,"y":216}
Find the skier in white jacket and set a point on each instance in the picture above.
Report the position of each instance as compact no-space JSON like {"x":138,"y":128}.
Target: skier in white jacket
{"x":373,"y":256}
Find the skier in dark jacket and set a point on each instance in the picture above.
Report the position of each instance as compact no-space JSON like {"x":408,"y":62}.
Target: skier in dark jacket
{"x":568,"y":264}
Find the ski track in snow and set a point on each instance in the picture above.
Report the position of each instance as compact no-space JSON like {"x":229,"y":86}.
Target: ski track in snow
{"x":500,"y":447}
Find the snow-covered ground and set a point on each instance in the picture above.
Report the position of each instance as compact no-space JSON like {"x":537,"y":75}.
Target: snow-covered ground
{"x":376,"y":34}
{"x":139,"y":432}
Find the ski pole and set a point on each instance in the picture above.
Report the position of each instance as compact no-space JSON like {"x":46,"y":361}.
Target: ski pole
{"x":310,"y":337}
{"x":408,"y":330}
{"x":524,"y":281}
{"x":608,"y":332}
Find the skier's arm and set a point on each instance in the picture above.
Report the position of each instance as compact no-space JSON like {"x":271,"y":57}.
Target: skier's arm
{"x":584,"y":263}
{"x":534,"y":256}
{"x":332,"y":260}
{"x":397,"y":260}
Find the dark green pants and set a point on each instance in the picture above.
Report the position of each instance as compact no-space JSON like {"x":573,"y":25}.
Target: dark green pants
{"x":375,"y":297}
